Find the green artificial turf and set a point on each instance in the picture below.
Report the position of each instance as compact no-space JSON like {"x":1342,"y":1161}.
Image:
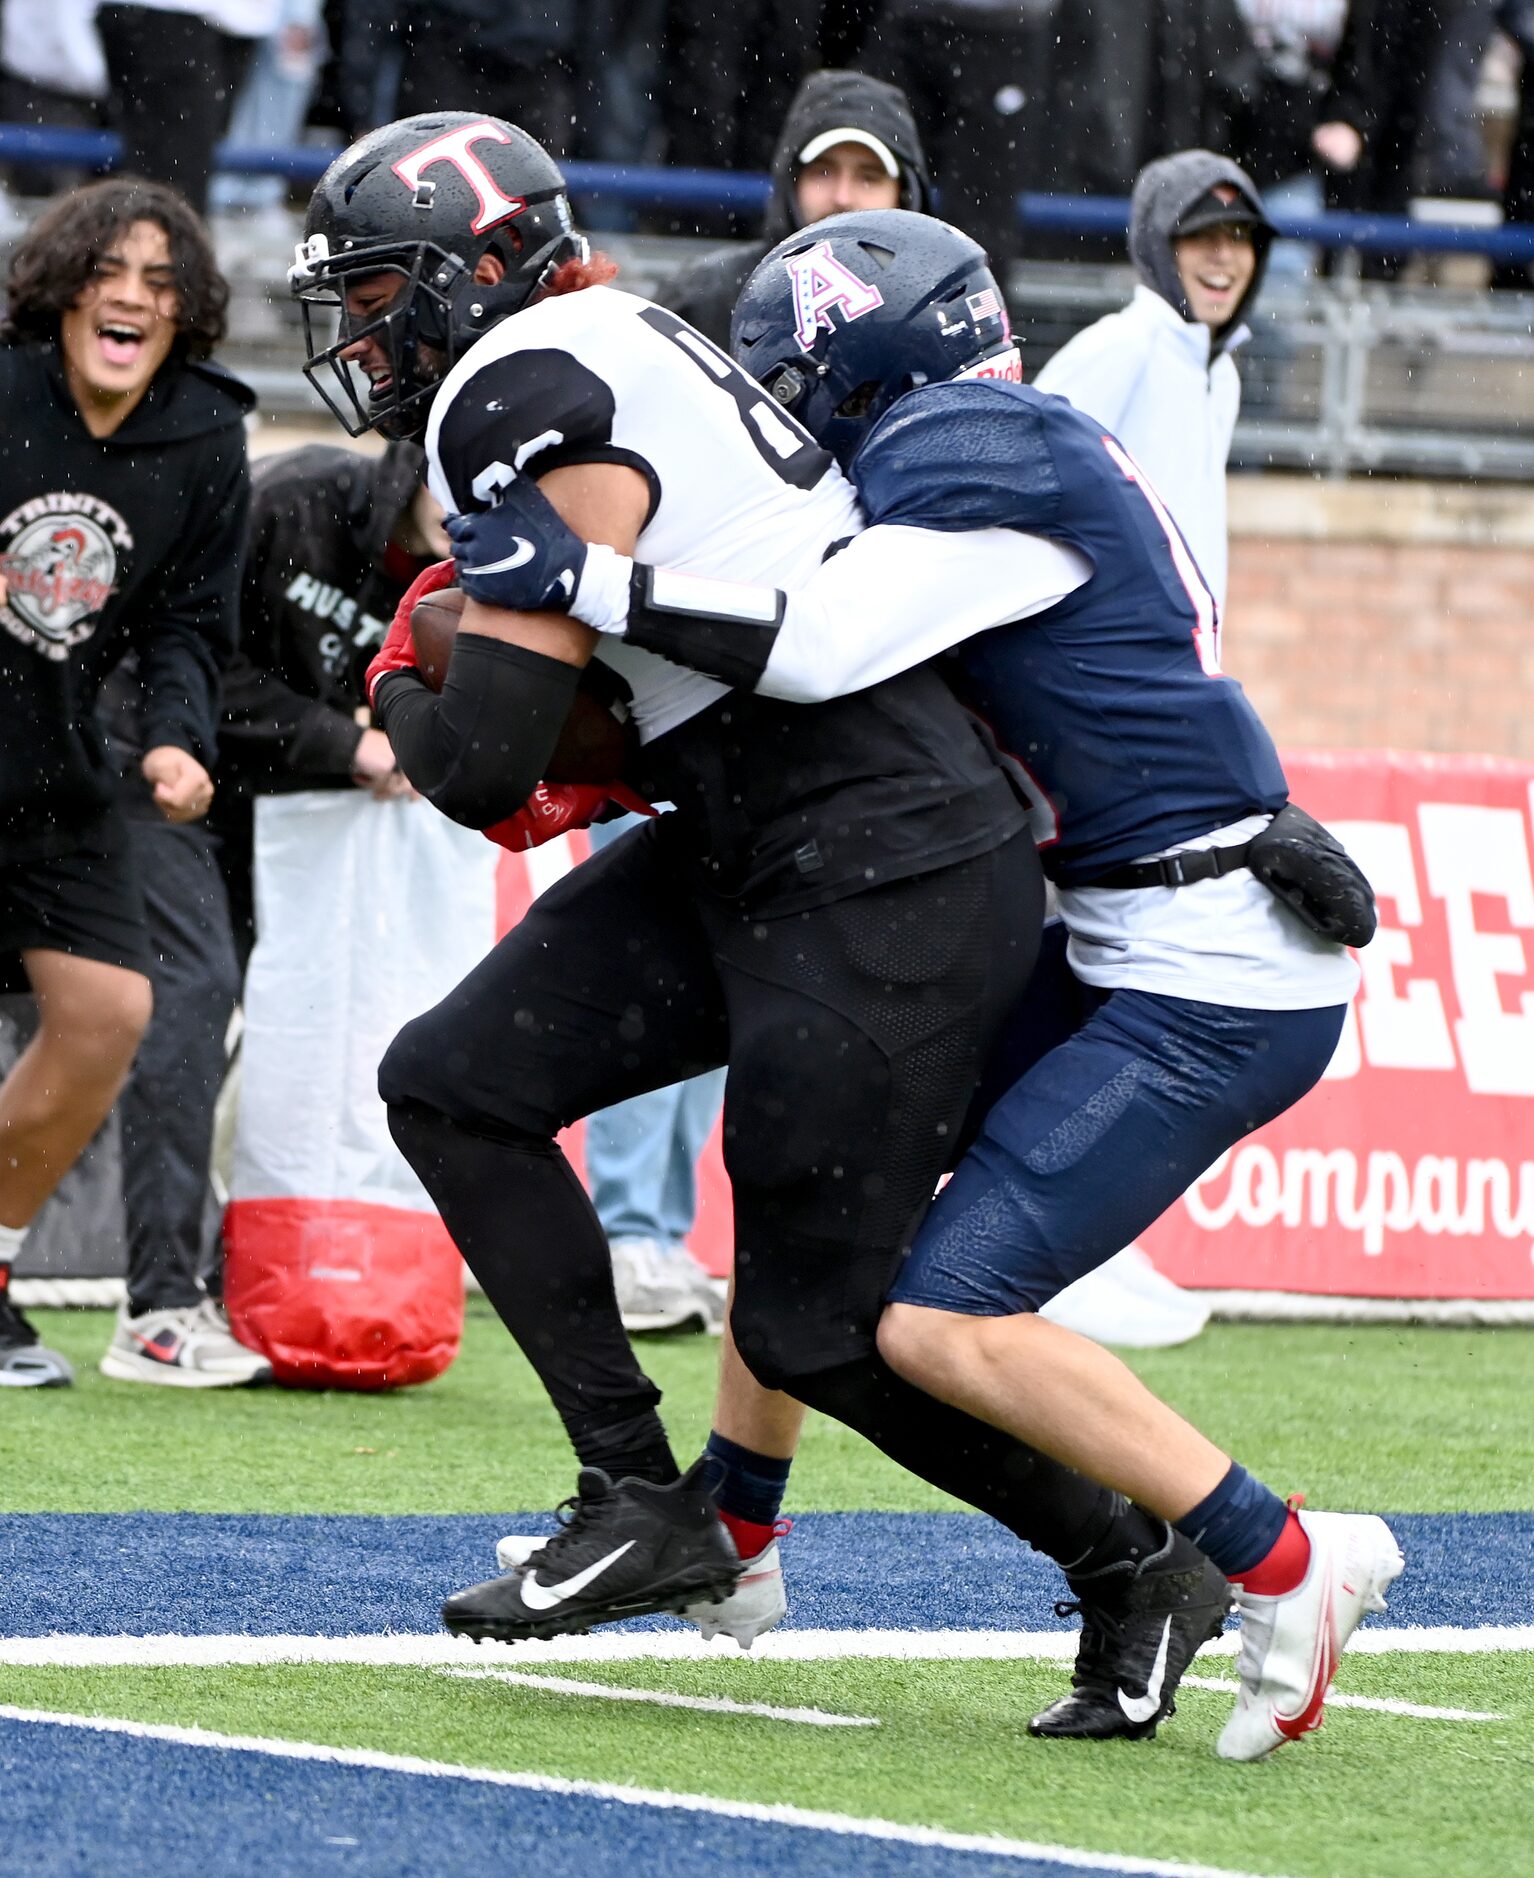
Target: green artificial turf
{"x":1370,"y":1793}
{"x":1411,"y":1420}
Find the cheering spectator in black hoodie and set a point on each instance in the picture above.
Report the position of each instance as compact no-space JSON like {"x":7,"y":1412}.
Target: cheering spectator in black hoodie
{"x":122,"y":508}
{"x":848,"y":142}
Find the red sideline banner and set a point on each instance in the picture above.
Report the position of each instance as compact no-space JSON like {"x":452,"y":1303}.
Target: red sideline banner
{"x":1408,"y":1172}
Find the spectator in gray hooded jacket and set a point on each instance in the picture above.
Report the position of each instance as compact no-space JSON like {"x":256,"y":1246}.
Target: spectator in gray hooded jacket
{"x":1160,"y":374}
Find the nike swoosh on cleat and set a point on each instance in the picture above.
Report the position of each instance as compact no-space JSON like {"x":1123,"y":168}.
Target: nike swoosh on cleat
{"x":539,"y":1597}
{"x":1323,"y":1667}
{"x":1142,"y":1708}
{"x":520,"y":558}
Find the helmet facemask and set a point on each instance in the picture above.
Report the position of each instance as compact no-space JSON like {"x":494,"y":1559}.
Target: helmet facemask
{"x":418,"y":316}
{"x":425,"y":199}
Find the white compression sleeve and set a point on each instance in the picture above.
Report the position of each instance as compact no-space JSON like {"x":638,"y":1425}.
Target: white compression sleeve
{"x":895,"y":597}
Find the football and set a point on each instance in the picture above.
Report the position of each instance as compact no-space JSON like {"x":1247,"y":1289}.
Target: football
{"x":596,"y":740}
{"x":433,"y":627}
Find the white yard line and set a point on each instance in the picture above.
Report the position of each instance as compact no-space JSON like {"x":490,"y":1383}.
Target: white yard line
{"x":666,"y":1698}
{"x":431,"y":1650}
{"x":1379,"y":1704}
{"x":802,"y":1818}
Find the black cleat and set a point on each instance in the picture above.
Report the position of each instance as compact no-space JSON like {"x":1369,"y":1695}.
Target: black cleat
{"x":1141,"y":1626}
{"x":627,"y":1548}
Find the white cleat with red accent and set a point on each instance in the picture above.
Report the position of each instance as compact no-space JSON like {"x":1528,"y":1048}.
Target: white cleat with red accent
{"x":1291,"y":1645}
{"x":758,"y":1603}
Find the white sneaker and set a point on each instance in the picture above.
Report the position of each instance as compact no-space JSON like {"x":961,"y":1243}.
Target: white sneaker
{"x":189,"y":1348}
{"x":660,"y":1286}
{"x":710,"y":1295}
{"x":758,"y":1603}
{"x":1291,"y":1645}
{"x":1129,"y":1303}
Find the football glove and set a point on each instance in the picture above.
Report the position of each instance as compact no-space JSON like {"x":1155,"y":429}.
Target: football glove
{"x":520,"y":554}
{"x":553,"y":809}
{"x":397,"y":653}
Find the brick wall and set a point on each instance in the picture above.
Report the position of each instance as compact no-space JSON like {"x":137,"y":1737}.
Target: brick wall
{"x":1374,"y":614}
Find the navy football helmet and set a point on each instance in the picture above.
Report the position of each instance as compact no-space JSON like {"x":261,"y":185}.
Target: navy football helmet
{"x":425,"y":198}
{"x":846,"y":316}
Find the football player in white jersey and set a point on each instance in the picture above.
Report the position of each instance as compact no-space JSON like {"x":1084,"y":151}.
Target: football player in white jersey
{"x":841,"y":907}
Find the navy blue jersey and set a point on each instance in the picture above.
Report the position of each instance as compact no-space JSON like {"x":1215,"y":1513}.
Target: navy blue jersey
{"x":1112,"y":699}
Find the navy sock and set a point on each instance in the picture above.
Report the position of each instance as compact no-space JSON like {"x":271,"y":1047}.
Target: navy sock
{"x":747,"y":1486}
{"x":1238,"y":1524}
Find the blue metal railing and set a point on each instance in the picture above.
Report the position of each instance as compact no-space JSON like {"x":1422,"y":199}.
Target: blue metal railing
{"x":650,"y":188}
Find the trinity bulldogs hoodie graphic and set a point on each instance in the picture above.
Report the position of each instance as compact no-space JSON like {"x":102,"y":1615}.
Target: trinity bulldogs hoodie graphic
{"x":1158,"y":380}
{"x":705,"y":293}
{"x":110,"y":544}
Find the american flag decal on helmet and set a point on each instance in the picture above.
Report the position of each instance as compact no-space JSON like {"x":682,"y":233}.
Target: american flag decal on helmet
{"x":985,"y":305}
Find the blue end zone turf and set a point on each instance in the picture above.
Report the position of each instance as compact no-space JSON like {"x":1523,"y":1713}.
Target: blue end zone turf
{"x":149,"y":1807}
{"x":216,"y":1574}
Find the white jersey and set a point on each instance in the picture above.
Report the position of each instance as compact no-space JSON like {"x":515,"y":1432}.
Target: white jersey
{"x":737,"y":487}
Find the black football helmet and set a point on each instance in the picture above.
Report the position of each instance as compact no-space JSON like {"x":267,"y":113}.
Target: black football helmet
{"x":425,"y":199}
{"x":848,"y":315}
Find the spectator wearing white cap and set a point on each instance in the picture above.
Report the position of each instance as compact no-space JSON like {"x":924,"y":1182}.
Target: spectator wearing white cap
{"x":848,"y":142}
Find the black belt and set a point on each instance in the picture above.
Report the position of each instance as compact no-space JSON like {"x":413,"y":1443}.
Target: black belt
{"x":1175,"y":870}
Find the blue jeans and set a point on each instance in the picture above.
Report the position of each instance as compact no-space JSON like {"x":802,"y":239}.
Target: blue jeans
{"x":1100,"y":1132}
{"x":641,"y":1155}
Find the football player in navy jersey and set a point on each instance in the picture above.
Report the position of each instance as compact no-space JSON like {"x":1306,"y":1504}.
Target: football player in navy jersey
{"x":842,"y":905}
{"x":1200,"y":978}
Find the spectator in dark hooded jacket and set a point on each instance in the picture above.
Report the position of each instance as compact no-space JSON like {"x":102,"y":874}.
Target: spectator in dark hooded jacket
{"x":848,"y":142}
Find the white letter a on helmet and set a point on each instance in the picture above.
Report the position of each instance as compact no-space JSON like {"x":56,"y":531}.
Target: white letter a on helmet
{"x":822,"y":282}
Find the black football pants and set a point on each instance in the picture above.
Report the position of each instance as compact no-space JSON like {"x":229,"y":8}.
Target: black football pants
{"x":853,"y":1035}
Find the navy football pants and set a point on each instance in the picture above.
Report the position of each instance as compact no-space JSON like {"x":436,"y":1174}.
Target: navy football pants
{"x":1108,"y":1106}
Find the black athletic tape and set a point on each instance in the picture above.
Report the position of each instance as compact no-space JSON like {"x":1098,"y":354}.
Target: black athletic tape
{"x":479,"y":750}
{"x":732,"y":646}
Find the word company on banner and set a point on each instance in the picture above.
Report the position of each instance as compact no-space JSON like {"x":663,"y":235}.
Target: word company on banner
{"x":1408,"y":1172}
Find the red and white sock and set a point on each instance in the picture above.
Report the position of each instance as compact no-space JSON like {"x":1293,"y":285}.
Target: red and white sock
{"x":751,"y":1537}
{"x":1283,"y":1566}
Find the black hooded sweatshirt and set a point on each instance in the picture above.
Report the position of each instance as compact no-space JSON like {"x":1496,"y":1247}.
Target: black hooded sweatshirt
{"x":705,"y":293}
{"x":321,"y":584}
{"x":110,"y":545}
